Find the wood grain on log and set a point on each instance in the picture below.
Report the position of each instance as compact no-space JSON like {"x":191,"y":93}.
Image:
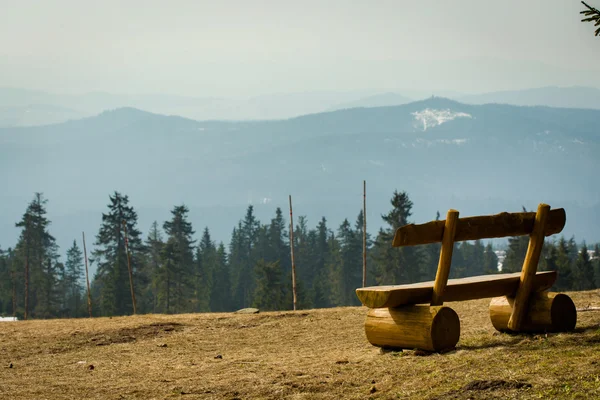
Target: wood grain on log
{"x":478,"y":287}
{"x":409,"y":327}
{"x":546,"y":312}
{"x":482,"y":227}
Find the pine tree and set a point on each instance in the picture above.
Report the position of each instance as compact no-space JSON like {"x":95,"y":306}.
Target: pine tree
{"x":490,"y":260}
{"x":597,"y":265}
{"x":220,"y":295}
{"x":154,"y":247}
{"x":269,"y":293}
{"x":179,"y":231}
{"x":431,"y":257}
{"x":236,"y":265}
{"x":515,"y":254}
{"x":334,"y":264}
{"x":38,"y":256}
{"x":397,"y":265}
{"x":112,"y":276}
{"x":351,"y":270}
{"x":322,"y":285}
{"x":169,"y":263}
{"x":5,"y":285}
{"x":563,"y":266}
{"x":73,"y":275}
{"x":242,"y":259}
{"x":206,"y":260}
{"x":584,"y":271}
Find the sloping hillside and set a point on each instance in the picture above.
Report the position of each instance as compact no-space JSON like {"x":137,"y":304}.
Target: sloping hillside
{"x":478,"y":159}
{"x":316,"y":354}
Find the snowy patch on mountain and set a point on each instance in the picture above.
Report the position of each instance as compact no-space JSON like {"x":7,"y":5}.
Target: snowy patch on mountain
{"x":429,"y":118}
{"x":428,"y":143}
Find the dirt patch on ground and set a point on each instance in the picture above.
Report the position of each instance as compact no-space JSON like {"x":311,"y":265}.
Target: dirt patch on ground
{"x":308,"y":354}
{"x":485,"y":389}
{"x":143,"y":332}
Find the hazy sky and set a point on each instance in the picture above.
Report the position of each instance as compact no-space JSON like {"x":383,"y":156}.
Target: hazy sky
{"x":246,"y":48}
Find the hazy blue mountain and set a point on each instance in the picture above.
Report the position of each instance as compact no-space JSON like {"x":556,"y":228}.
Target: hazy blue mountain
{"x":16,"y":105}
{"x":378,"y":100}
{"x":571,"y":97}
{"x":36,"y":114}
{"x":475,"y":158}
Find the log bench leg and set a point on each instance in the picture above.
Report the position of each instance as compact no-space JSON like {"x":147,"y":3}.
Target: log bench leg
{"x":416,"y":326}
{"x":546,"y":312}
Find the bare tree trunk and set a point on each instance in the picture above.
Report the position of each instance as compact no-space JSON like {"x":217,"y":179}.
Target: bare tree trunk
{"x":292,"y":253}
{"x":87,"y":278}
{"x":364,"y":280}
{"x":129,"y":268}
{"x":26,"y":283}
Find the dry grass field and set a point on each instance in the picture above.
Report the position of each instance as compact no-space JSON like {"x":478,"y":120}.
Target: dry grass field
{"x":311,"y":354}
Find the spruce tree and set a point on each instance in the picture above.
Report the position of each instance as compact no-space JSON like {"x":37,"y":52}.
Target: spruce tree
{"x":242,"y":259}
{"x":333,"y":265}
{"x":584,"y":271}
{"x":73,"y":275}
{"x":397,"y":265}
{"x":431,"y":257}
{"x":206,"y":263}
{"x":515,"y":254}
{"x":597,"y":265}
{"x":236,"y":265}
{"x":490,"y":260}
{"x":322,"y":285}
{"x":179,"y":232}
{"x":165,"y":277}
{"x":5,"y":285}
{"x":220,"y":295}
{"x":269,"y":293}
{"x":564,"y":267}
{"x":154,"y":246}
{"x":112,"y":276}
{"x":38,"y":257}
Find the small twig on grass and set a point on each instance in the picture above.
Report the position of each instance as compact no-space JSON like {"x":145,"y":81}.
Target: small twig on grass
{"x":588,"y":309}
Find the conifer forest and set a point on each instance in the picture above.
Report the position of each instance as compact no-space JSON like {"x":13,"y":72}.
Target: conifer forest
{"x":179,"y":268}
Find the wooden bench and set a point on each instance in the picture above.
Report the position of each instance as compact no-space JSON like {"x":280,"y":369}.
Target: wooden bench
{"x":398,"y":317}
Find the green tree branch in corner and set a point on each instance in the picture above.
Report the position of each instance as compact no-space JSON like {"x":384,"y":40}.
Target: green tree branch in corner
{"x":593,"y":15}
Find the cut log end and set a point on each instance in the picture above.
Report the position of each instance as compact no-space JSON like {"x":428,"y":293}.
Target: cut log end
{"x":409,"y":327}
{"x":547,"y":312}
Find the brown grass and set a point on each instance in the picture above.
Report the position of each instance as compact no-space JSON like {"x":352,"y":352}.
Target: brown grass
{"x":321,"y":354}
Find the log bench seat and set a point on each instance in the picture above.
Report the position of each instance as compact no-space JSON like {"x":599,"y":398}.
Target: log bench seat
{"x":477,"y":287}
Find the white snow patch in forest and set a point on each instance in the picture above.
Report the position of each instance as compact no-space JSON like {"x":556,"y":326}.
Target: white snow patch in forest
{"x":430,"y":143}
{"x":428,"y":118}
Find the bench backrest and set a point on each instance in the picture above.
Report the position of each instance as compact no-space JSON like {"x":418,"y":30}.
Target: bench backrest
{"x":482,"y":227}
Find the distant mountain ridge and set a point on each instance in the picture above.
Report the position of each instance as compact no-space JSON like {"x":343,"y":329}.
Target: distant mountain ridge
{"x":19,"y":107}
{"x":479,"y":159}
{"x":552,"y":96}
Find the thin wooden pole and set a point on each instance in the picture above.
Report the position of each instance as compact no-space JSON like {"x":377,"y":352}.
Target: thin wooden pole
{"x":14,"y":283}
{"x":129,"y":268}
{"x":536,"y":242}
{"x":292,"y":253}
{"x":443,"y":271}
{"x":26,"y":281}
{"x":87,"y":278}
{"x":364,"y":281}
